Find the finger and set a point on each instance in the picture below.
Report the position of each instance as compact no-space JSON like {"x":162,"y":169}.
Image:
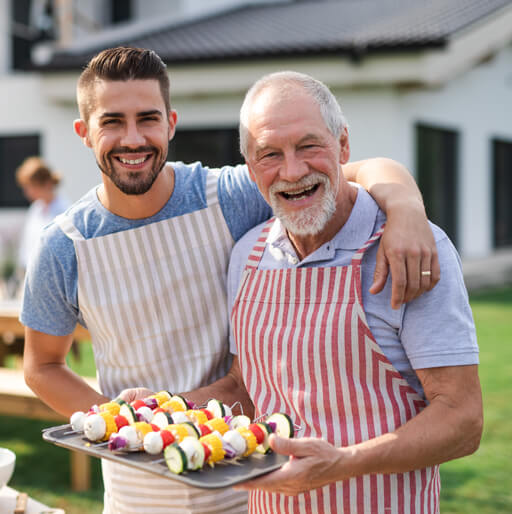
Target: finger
{"x":413,"y":275}
{"x":398,"y":268}
{"x":380,"y":274}
{"x":436,"y":270}
{"x":426,"y":274}
{"x":301,"y":447}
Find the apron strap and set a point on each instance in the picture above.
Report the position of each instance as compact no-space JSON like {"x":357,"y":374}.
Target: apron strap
{"x":212,"y":178}
{"x":257,"y":252}
{"x":66,"y":225}
{"x":358,"y":256}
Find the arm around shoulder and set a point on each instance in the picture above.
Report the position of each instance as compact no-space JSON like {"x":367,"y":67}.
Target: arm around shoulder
{"x":407,"y":248}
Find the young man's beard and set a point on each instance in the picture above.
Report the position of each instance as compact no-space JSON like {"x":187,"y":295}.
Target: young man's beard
{"x":137,"y":183}
{"x":309,"y":221}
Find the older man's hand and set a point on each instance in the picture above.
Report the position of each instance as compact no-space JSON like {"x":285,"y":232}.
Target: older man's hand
{"x":313,"y":463}
{"x":135,"y":393}
{"x":408,"y":250}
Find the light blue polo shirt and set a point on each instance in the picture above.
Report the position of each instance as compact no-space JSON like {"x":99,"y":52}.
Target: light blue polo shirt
{"x":434,"y":330}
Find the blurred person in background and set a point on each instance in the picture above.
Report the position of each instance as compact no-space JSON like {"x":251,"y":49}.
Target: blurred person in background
{"x":39,"y":184}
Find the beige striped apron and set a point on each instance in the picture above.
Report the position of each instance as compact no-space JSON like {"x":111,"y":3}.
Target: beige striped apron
{"x":305,"y":348}
{"x":154,"y":301}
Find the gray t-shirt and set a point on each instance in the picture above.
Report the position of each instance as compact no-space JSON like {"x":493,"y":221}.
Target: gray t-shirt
{"x":50,"y":300}
{"x":436,"y":329}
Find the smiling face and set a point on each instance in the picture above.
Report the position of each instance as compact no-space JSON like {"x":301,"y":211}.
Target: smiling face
{"x":129,"y":130}
{"x":294,"y":158}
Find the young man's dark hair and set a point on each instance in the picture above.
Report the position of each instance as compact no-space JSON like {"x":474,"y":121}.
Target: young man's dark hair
{"x":121,"y":63}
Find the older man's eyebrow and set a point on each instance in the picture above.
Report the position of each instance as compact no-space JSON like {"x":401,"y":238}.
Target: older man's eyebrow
{"x":310,"y":138}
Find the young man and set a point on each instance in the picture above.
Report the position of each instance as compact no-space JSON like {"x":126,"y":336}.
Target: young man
{"x":141,"y":261}
{"x":382,"y":396}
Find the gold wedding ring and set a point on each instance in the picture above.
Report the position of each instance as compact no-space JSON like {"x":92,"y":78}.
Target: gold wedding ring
{"x":426,"y":273}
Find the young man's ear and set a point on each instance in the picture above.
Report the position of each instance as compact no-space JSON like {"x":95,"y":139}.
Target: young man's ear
{"x":80,"y":128}
{"x":172,"y":119}
{"x":345,"y":147}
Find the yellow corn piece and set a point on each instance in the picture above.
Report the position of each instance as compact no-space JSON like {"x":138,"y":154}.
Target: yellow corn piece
{"x":250,"y":439}
{"x":161,"y":397}
{"x":178,"y":430}
{"x":215,"y":444}
{"x":196,"y":415}
{"x":142,"y":428}
{"x":110,"y":424}
{"x":173,"y":405}
{"x":112,"y":407}
{"x":218,"y":424}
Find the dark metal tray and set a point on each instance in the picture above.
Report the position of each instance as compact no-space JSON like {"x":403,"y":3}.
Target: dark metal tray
{"x":224,"y":474}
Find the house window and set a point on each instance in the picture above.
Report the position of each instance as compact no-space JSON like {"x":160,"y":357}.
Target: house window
{"x":13,"y":151}
{"x":213,"y":147}
{"x":502,"y":163}
{"x":436,"y":166}
{"x":31,"y":22}
{"x":120,"y":10}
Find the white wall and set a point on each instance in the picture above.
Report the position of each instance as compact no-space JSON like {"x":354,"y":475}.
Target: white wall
{"x":5,"y":38}
{"x":478,"y":104}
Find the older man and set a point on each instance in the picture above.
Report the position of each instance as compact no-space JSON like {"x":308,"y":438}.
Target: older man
{"x":382,"y":396}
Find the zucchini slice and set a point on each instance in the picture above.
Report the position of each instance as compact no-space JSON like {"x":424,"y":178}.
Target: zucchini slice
{"x":216,"y":408}
{"x":192,"y":430}
{"x":162,"y":419}
{"x":283,"y":424}
{"x":129,"y":413}
{"x":175,"y":458}
{"x":181,"y":400}
{"x":194,"y":450}
{"x":240,"y":421}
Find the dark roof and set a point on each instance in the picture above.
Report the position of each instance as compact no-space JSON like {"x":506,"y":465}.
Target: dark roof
{"x":352,"y":27}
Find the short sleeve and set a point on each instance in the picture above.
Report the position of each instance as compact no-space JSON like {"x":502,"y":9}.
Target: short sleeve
{"x":241,"y":202}
{"x":50,"y":293}
{"x":438,"y":327}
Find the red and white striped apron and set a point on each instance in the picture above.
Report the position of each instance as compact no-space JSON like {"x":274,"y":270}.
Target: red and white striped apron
{"x":154,"y":300}
{"x":305,"y":348}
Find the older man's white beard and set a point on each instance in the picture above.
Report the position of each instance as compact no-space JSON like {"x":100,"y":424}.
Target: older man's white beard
{"x":308,"y":221}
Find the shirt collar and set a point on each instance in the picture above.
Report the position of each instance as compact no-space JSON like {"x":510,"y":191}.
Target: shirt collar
{"x":353,"y":235}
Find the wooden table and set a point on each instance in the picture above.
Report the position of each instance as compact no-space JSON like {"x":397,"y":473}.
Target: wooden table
{"x":12,"y":332}
{"x":17,"y":399}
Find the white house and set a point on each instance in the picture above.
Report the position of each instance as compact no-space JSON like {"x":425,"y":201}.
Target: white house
{"x":426,"y":82}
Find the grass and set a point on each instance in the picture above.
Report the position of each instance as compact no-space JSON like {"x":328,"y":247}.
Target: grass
{"x":479,"y":484}
{"x":482,"y":483}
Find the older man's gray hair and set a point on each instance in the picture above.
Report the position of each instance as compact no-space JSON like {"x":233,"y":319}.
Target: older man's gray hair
{"x":329,"y":106}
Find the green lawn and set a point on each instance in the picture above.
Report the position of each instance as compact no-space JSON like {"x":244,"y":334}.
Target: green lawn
{"x":482,"y":483}
{"x":479,"y":484}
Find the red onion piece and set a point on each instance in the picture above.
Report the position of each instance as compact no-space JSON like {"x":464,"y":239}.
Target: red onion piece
{"x":117,"y":442}
{"x":151,"y":403}
{"x":230,"y":452}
